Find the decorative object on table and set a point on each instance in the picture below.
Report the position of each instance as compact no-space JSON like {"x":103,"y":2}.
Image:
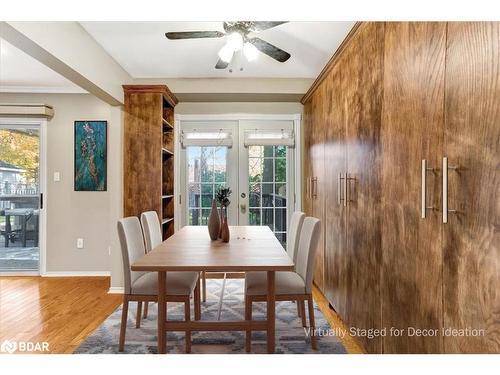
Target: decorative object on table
{"x":90,"y":155}
{"x":225,"y":228}
{"x":222,"y":197}
{"x":214,"y":224}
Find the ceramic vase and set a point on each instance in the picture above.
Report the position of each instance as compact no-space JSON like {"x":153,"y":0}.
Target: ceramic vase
{"x":214,"y":224}
{"x":221,"y":221}
{"x":225,"y":229}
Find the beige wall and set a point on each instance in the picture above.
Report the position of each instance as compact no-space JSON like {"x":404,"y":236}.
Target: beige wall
{"x":88,"y":215}
{"x":239,"y":107}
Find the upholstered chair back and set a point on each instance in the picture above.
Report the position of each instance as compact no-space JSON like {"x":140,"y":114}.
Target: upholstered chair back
{"x":151,"y":229}
{"x":306,"y":254}
{"x":132,"y":245}
{"x":292,"y":243}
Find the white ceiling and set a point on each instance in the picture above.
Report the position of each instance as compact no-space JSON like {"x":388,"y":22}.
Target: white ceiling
{"x":142,"y":49}
{"x":20,"y":72}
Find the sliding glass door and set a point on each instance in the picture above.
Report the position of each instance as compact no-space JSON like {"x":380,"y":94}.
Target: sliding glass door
{"x":19,"y":198}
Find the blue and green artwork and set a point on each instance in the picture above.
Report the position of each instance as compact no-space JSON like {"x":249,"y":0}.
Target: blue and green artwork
{"x":90,"y":155}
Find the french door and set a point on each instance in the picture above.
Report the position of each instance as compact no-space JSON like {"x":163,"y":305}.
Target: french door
{"x":254,"y":158}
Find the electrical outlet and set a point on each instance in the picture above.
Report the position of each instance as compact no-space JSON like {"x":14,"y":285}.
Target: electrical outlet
{"x":79,"y":243}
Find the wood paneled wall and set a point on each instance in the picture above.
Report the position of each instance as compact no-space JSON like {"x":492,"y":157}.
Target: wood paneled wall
{"x":396,"y":94}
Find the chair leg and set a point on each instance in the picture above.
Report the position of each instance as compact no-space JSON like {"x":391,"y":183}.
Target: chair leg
{"x":303,"y":312}
{"x":138,"y":317}
{"x":146,"y":306}
{"x":187,"y":317}
{"x":298,"y":309}
{"x":123,"y":327}
{"x":311,"y":321}
{"x":204,"y":281}
{"x":197,"y":301}
{"x":248,"y":316}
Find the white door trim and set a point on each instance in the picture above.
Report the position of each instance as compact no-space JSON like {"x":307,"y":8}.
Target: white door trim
{"x":295,"y":117}
{"x":41,"y":123}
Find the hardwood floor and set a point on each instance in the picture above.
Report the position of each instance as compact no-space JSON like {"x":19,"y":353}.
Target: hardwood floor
{"x":351,"y":345}
{"x":60,"y":311}
{"x":63,"y":311}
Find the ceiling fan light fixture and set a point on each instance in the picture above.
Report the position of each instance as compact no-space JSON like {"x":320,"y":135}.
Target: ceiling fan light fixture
{"x":250,"y":51}
{"x":226,"y":53}
{"x":235,"y":40}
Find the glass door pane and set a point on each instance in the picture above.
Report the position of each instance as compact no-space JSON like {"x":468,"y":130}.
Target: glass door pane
{"x":19,"y":198}
{"x":267,"y":188}
{"x":206,"y":173}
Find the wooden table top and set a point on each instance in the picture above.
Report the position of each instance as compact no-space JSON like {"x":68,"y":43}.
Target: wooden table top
{"x":251,"y":248}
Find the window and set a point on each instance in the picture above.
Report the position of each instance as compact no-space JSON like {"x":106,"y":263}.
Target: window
{"x":207,"y":172}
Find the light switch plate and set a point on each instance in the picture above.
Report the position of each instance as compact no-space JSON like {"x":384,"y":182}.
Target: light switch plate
{"x":79,"y":243}
{"x":57,"y":177}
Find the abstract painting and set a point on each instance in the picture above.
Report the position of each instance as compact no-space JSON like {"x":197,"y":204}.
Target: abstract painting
{"x":90,"y":155}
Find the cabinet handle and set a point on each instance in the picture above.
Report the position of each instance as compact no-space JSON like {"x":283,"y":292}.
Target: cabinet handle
{"x":423,"y":203}
{"x":314,"y":186}
{"x":446,"y":211}
{"x":339,"y":189}
{"x":345,"y":190}
{"x":348,"y":180}
{"x":309,"y":183}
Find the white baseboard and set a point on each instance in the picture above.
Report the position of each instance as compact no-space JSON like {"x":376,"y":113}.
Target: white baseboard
{"x":75,"y":273}
{"x":116,"y":290}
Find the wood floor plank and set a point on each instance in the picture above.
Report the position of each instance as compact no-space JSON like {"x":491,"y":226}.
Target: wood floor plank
{"x":62,"y":311}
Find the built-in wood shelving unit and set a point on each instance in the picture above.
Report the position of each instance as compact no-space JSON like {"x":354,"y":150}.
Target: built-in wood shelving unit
{"x":149,"y":153}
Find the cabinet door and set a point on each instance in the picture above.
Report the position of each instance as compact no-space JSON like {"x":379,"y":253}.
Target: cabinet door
{"x":362,"y":70}
{"x":307,"y":173}
{"x":335,"y":277}
{"x":412,"y":127}
{"x":472,"y":143}
{"x":317,"y":155}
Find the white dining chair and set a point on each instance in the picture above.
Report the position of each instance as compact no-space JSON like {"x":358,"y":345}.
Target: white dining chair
{"x":289,"y":285}
{"x":292,"y":243}
{"x":151,"y":228}
{"x":143,"y":286}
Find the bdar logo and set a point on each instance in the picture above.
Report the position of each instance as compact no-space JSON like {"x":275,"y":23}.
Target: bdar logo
{"x":8,"y":347}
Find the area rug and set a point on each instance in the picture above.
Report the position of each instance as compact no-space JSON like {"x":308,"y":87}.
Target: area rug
{"x":290,"y":335}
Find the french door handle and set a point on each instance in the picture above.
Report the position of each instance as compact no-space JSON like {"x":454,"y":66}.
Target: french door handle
{"x":446,"y":211}
{"x":423,"y":196}
{"x":314,"y":187}
{"x":340,"y":196}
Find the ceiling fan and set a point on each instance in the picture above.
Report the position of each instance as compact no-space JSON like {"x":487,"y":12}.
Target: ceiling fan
{"x":238,"y":39}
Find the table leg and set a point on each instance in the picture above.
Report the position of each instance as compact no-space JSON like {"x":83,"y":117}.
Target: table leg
{"x":271,"y":311}
{"x":162,"y":312}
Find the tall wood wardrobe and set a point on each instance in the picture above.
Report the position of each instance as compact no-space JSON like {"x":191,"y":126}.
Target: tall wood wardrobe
{"x":402,"y":165}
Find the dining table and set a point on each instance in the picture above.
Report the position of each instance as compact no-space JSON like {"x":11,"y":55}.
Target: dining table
{"x":250,"y":248}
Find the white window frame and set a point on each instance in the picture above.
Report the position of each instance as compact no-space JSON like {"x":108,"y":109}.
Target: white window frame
{"x":41,"y":123}
{"x":213,"y":121}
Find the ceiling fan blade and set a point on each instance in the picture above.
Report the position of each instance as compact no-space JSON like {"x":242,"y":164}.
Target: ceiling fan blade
{"x":264,"y":25}
{"x":270,"y":50}
{"x":194,"y":34}
{"x":221,"y":64}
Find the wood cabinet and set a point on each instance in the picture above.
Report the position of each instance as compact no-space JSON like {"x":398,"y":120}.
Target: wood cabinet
{"x":471,"y":268}
{"x":395,"y":95}
{"x":315,"y":203}
{"x":412,"y":123}
{"x":148,"y":183}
